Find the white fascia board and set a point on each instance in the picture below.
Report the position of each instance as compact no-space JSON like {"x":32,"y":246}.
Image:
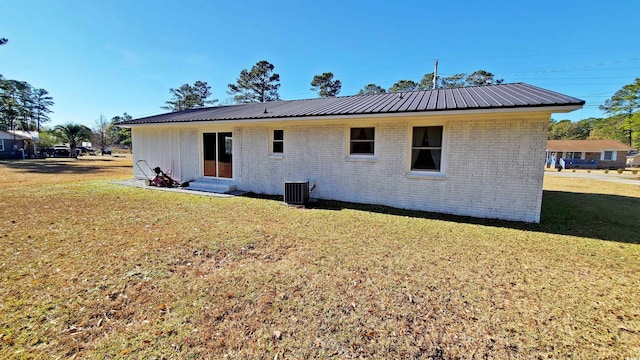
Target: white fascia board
{"x":546,"y":109}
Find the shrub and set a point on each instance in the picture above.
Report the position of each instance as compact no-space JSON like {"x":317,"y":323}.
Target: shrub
{"x":620,"y":171}
{"x":589,"y":171}
{"x":606,"y":171}
{"x":634,"y":172}
{"x":573,"y":170}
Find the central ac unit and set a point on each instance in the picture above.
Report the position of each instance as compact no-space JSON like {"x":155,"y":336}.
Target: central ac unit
{"x":296,"y":192}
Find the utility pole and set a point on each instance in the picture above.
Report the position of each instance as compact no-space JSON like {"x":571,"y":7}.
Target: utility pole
{"x":435,"y":74}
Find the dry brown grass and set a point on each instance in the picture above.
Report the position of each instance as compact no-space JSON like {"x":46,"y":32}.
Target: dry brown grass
{"x":96,"y":270}
{"x":61,"y":170}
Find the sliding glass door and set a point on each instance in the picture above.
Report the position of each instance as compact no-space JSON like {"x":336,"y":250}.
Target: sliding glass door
{"x":217,"y":148}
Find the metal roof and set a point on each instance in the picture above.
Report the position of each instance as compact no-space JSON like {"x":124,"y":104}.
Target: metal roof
{"x":503,"y":96}
{"x":586,"y":145}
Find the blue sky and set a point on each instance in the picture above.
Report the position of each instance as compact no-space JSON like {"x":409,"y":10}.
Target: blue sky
{"x":113,"y":56}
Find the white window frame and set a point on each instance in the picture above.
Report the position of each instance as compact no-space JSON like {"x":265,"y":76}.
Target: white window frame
{"x":435,"y":174}
{"x":272,"y":140}
{"x":614,"y":155}
{"x":361,"y":157}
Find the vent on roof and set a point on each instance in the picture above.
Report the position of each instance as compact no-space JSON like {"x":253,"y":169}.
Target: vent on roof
{"x":296,"y":192}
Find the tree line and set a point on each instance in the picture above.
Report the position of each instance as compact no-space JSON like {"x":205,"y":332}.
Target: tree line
{"x":622,"y":124}
{"x":429,"y":81}
{"x":23,"y":106}
{"x":261,"y":84}
{"x":103,"y":134}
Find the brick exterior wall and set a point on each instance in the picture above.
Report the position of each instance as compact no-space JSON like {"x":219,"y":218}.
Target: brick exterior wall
{"x":493,"y":168}
{"x":9,"y":152}
{"x":619,"y":163}
{"x":492,"y":165}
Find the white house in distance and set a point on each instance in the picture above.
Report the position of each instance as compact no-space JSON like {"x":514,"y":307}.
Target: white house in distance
{"x":474,"y":151}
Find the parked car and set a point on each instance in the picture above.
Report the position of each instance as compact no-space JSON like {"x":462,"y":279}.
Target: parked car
{"x":82,"y":150}
{"x":63,"y":151}
{"x":633,"y":160}
{"x":106,"y":151}
{"x":46,"y":152}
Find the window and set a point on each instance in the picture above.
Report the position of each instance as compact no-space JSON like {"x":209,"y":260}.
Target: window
{"x":278,"y":142}
{"x":426,"y":148}
{"x":1,"y":144}
{"x":572,"y":155}
{"x":362,"y":141}
{"x":609,"y":155}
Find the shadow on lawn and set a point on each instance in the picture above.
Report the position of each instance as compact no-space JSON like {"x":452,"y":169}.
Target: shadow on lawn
{"x":59,"y":166}
{"x":597,"y":216}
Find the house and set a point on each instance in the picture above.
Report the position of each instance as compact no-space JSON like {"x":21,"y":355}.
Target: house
{"x":595,"y":154}
{"x":472,"y":151}
{"x":17,"y":144}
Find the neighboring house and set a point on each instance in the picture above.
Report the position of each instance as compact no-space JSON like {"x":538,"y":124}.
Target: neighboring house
{"x":16,"y":144}
{"x":472,"y":151}
{"x":595,"y":154}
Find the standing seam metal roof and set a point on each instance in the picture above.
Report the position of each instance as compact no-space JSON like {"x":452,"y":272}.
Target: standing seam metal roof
{"x":501,"y":96}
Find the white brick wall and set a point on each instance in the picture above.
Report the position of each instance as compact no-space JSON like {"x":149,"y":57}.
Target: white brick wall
{"x":190,"y":158}
{"x":493,"y":166}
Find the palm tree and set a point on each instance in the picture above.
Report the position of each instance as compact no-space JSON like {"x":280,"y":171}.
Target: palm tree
{"x":72,"y":133}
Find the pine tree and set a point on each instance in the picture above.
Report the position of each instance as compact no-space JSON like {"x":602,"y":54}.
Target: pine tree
{"x":259,"y":84}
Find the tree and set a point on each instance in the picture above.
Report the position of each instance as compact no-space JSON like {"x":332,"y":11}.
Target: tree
{"x":481,"y":78}
{"x":565,"y":129}
{"x":625,"y":103}
{"x":41,"y":104}
{"x":372,"y":89}
{"x":189,"y":97}
{"x":3,"y":41}
{"x":477,"y":78}
{"x":259,"y":84}
{"x":101,"y":132}
{"x":47,"y":139}
{"x":22,"y":106}
{"x":72,"y":133}
{"x":606,"y":129}
{"x":426,"y":82}
{"x":404,"y":85}
{"x":118,"y":135}
{"x":25,"y":104}
{"x":325,"y":85}
{"x":559,"y":130}
{"x":453,"y":81}
{"x":10,"y":102}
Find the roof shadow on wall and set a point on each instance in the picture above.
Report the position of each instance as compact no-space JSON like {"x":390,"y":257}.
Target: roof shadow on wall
{"x":595,"y":216}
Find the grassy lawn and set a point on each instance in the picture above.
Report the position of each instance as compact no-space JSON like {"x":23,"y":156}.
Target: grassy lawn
{"x":92,"y":269}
